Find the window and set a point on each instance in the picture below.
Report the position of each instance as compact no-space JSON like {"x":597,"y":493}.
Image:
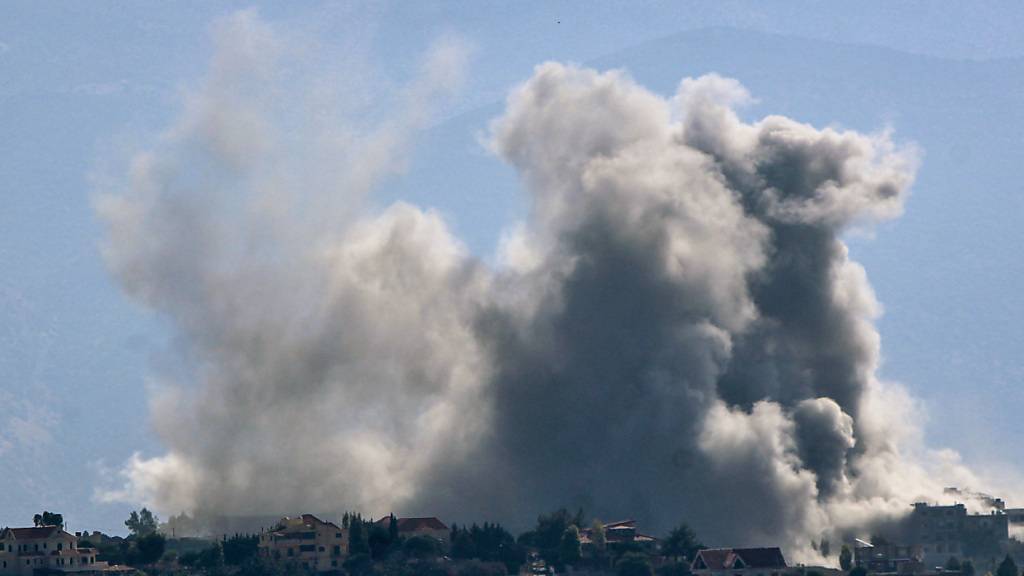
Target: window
{"x":60,"y":545}
{"x":322,"y":549}
{"x":338,"y":534}
{"x":291,"y":551}
{"x":334,"y":564}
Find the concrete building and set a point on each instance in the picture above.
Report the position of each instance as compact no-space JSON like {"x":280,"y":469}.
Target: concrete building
{"x":23,"y":551}
{"x":949,"y":531}
{"x":888,"y":558}
{"x":739,"y":562}
{"x":307,"y":542}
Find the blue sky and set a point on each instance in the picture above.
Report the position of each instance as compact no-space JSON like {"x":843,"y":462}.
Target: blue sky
{"x":79,"y":84}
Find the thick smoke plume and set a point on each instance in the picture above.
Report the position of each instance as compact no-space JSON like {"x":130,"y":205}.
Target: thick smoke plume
{"x":676,"y":331}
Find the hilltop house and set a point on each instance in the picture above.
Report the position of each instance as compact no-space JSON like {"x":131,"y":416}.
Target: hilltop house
{"x":739,"y":562}
{"x":618,"y":535}
{"x":23,"y":551}
{"x":430,"y":527}
{"x":305,"y":541}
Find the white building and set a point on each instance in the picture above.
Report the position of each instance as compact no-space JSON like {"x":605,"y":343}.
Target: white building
{"x":25,"y":550}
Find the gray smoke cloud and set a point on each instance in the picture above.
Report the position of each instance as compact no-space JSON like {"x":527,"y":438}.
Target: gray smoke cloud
{"x":676,"y":331}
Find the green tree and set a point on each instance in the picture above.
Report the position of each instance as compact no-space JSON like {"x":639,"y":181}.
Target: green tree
{"x":547,"y":535}
{"x":358,"y":539}
{"x":142,"y":523}
{"x":1007,"y":567}
{"x":239,"y":548}
{"x":953,"y":565}
{"x":358,"y":564}
{"x":967,"y":568}
{"x":845,"y":558}
{"x":49,"y":519}
{"x":150,"y":547}
{"x":210,"y":559}
{"x":633,"y":564}
{"x":463,"y":546}
{"x":681,"y":542}
{"x":599,"y":540}
{"x":858,"y":571}
{"x":421,"y":547}
{"x":393,"y":528}
{"x":379,"y":541}
{"x":569,"y":547}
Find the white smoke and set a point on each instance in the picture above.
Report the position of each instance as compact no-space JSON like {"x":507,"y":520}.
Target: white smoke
{"x":675,"y":332}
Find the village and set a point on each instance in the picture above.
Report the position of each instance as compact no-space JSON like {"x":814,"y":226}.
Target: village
{"x":935,"y":539}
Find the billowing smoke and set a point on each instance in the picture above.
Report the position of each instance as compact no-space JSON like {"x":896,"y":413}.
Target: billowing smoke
{"x":675,"y":332}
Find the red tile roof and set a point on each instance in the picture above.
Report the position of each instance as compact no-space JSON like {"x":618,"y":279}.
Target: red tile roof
{"x":31,"y":533}
{"x":311,"y":519}
{"x":414,"y":524}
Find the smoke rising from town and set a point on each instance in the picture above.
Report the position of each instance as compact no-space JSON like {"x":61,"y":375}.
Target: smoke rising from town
{"x":676,"y":331}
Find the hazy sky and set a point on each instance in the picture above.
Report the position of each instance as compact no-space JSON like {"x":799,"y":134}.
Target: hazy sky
{"x":82,"y":84}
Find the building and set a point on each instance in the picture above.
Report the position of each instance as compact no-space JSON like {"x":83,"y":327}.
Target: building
{"x":739,"y":562}
{"x":430,"y":527}
{"x":1015,"y":517}
{"x":949,"y":531}
{"x":23,"y":551}
{"x":618,"y":535}
{"x":886,"y":557}
{"x":305,"y":541}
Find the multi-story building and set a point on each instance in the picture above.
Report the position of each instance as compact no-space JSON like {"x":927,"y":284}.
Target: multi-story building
{"x":949,"y":531}
{"x":739,"y":562}
{"x":305,"y":541}
{"x":23,"y":551}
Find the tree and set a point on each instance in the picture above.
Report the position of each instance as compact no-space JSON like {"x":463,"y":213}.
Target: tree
{"x":49,"y":519}
{"x":953,"y":565}
{"x":463,"y":546}
{"x":858,"y":571}
{"x":358,"y":539}
{"x":633,"y":564}
{"x":421,"y":547}
{"x":393,"y":528}
{"x":239,"y":548}
{"x":845,"y":558}
{"x":569,"y":547}
{"x":142,"y":523}
{"x":546,"y":537}
{"x":599,"y":540}
{"x":967,"y":568}
{"x":358,"y":564}
{"x":150,"y":547}
{"x":681,"y":542}
{"x":379,"y":541}
{"x":1007,"y":567}
{"x":825,"y":548}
